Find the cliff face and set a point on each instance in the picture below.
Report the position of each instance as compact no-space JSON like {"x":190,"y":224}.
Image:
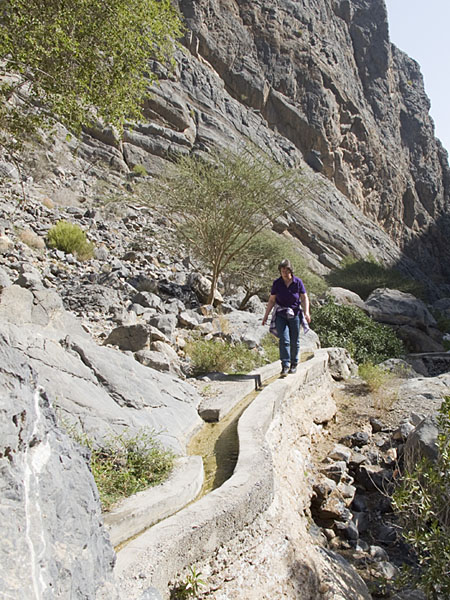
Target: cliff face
{"x":323,"y":74}
{"x":319,"y":84}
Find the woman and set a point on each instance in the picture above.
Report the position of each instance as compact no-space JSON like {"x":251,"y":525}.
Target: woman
{"x":288,"y":295}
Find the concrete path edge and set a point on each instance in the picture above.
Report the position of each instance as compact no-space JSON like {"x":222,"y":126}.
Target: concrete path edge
{"x":155,"y":557}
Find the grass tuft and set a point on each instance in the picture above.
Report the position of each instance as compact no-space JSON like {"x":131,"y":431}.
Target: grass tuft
{"x":71,"y":239}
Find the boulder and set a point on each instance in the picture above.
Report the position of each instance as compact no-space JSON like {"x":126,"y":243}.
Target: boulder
{"x":418,"y":340}
{"x":398,"y":308}
{"x":422,"y":442}
{"x":166,"y":324}
{"x":52,"y":530}
{"x":341,"y":364}
{"x":346,"y":297}
{"x":129,"y":337}
{"x":41,"y":307}
{"x":202,"y":286}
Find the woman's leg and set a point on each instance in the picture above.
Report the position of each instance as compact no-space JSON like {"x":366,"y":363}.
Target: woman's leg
{"x":284,"y":342}
{"x":294,"y":334}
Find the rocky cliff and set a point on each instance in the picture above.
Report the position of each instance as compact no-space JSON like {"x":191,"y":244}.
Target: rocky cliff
{"x":320,"y":84}
{"x":324,"y":76}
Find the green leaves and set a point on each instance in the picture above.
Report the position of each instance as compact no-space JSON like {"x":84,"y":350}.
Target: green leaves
{"x":349,"y":327}
{"x":222,"y":201}
{"x":71,"y":239}
{"x":82,"y":60}
{"x":126,"y":465}
{"x":422,"y":502}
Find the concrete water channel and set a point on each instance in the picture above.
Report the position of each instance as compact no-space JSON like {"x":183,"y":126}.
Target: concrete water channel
{"x":218,"y":443}
{"x":231,"y":493}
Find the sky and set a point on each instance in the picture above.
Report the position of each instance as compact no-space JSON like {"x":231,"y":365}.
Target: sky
{"x":421,"y":29}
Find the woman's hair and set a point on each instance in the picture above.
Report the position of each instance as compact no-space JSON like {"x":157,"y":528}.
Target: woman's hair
{"x":286,"y":264}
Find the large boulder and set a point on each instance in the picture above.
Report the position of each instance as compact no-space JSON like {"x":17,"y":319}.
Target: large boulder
{"x":422,"y":442}
{"x":98,"y":389}
{"x":54,"y":543}
{"x":414,"y":323}
{"x":398,"y":308}
{"x":346,"y":297}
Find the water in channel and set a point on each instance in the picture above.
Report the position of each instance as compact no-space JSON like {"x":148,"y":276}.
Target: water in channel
{"x":218,"y":444}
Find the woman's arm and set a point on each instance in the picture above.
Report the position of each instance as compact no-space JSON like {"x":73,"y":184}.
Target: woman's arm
{"x":305,"y":306}
{"x":270,"y":305}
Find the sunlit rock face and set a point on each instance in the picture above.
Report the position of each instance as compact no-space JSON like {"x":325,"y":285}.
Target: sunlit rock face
{"x":318,"y":80}
{"x":54,"y":543}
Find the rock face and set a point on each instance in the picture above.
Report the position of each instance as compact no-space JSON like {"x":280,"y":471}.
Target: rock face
{"x":98,"y":389}
{"x":320,"y":84}
{"x":54,"y":542}
{"x":325,"y":77}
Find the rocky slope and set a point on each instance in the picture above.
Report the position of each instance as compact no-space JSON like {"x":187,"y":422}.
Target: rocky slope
{"x":321,"y":86}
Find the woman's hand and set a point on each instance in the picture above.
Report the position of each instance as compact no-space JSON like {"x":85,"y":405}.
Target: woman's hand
{"x":270,"y":305}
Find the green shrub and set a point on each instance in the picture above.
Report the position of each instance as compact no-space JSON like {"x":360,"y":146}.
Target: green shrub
{"x":208,"y":356}
{"x":422,"y":502}
{"x":349,"y":327}
{"x":374,"y":376}
{"x":270,"y":348}
{"x":71,"y":239}
{"x":139,"y":171}
{"x":364,"y":276}
{"x":125,"y":465}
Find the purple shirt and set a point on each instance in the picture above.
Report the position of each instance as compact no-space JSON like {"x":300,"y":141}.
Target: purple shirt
{"x":288,"y":297}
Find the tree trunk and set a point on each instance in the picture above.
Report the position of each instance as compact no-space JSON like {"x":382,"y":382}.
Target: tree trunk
{"x":245,"y":300}
{"x":212,"y":291}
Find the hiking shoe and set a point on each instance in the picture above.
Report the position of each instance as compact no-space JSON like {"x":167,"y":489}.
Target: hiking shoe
{"x":284,"y":371}
{"x":293,"y":369}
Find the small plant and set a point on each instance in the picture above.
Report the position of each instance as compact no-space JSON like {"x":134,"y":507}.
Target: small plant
{"x":71,"y":239}
{"x":208,"y":356}
{"x":422,"y":502}
{"x":270,"y":347}
{"x":139,"y":171}
{"x":31,"y":239}
{"x":190,"y":587}
{"x":349,"y":327}
{"x":374,"y":376}
{"x":48,"y":203}
{"x":379,"y":383}
{"x":124,"y":465}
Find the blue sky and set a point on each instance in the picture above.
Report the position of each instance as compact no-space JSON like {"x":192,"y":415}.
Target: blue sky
{"x":421,"y":29}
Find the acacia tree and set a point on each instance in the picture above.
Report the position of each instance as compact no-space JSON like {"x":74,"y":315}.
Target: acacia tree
{"x":80,"y":60}
{"x":257,"y":265}
{"x":221,"y":202}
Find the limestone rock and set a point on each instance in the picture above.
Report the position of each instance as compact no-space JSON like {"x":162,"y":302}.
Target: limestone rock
{"x":422,"y":442}
{"x":398,"y":308}
{"x":129,"y":337}
{"x":54,"y":541}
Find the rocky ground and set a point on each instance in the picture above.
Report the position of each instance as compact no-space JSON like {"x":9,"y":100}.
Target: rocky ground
{"x":281,"y":554}
{"x":135,"y":254}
